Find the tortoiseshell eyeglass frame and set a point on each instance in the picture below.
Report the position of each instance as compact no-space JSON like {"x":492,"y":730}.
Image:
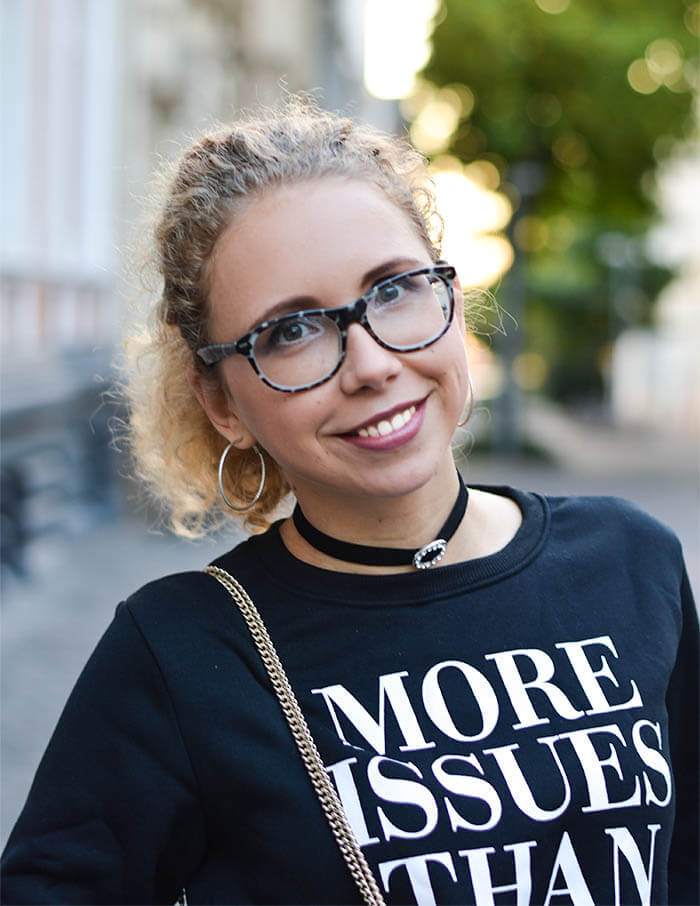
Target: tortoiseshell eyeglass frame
{"x":343,"y":316}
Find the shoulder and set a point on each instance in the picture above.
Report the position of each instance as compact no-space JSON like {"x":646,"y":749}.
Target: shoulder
{"x":611,"y":518}
{"x":189,"y":627}
{"x":187,"y":595}
{"x":196,"y":593}
{"x":169,"y":591}
{"x":182,"y":610}
{"x":612,"y":543}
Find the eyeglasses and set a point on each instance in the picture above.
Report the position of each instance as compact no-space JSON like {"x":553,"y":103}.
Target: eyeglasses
{"x":302,"y":350}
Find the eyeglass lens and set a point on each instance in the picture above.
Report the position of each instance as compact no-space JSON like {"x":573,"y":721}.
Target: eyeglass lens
{"x":405,"y":314}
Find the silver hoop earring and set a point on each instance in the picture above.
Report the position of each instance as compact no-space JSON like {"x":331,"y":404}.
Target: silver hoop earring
{"x":241,"y":509}
{"x":470,"y":405}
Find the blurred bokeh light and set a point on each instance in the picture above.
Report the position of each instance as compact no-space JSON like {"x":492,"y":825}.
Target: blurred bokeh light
{"x":397,"y":34}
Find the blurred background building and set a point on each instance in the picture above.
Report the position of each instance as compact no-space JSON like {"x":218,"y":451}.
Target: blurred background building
{"x":564,"y":148}
{"x":94,"y":94}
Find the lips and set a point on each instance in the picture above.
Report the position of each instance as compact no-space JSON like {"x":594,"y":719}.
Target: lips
{"x":387,"y":421}
{"x":389,"y":429}
{"x":385,"y":426}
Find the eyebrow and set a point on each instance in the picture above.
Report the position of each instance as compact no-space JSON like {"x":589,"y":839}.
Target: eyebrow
{"x":374,"y":274}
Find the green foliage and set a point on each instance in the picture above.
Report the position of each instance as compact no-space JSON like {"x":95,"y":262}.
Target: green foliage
{"x":554,"y":89}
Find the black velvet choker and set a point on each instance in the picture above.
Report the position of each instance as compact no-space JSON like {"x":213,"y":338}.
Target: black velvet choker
{"x":423,"y":558}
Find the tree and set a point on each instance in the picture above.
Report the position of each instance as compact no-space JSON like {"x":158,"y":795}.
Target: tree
{"x":590,"y":94}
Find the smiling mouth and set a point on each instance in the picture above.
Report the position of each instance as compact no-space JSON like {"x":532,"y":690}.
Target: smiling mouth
{"x":386,"y":426}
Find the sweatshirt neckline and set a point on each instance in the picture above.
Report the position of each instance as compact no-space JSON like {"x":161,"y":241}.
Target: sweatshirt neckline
{"x":296,"y":577}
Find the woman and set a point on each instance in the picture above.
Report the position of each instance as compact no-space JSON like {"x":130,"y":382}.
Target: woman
{"x":502,"y":687}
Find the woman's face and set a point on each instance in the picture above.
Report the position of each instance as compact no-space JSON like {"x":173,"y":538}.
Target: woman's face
{"x":322,"y":244}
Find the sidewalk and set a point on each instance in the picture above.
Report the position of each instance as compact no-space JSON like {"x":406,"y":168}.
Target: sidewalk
{"x":591,"y":448}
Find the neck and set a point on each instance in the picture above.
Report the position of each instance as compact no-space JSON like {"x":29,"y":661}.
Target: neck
{"x":405,"y":523}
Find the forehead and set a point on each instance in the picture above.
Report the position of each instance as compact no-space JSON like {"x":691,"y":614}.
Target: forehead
{"x":315,"y":239}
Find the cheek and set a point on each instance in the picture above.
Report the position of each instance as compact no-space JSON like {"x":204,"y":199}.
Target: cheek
{"x":249,"y":399}
{"x":453,"y":355}
{"x":454,"y":366}
{"x":282,"y":422}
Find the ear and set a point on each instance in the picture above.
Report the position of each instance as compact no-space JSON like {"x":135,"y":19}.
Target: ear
{"x":218,"y":405}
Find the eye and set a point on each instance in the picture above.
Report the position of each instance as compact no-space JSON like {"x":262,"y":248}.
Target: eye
{"x":389,"y":292}
{"x":396,"y":290}
{"x":293,"y":331}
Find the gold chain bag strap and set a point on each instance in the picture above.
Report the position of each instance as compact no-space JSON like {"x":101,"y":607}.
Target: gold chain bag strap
{"x":349,"y":847}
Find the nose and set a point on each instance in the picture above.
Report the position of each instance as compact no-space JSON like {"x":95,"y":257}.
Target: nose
{"x":366,"y":364}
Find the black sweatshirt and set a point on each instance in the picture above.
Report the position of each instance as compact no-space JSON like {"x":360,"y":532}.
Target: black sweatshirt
{"x":520,"y":728}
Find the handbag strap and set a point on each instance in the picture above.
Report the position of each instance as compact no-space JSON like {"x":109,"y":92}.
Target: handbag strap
{"x":325,"y":790}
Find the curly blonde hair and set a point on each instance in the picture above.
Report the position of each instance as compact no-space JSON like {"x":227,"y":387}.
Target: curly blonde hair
{"x":175,"y":448}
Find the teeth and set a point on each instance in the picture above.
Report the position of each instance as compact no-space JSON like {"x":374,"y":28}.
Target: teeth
{"x":385,"y":426}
